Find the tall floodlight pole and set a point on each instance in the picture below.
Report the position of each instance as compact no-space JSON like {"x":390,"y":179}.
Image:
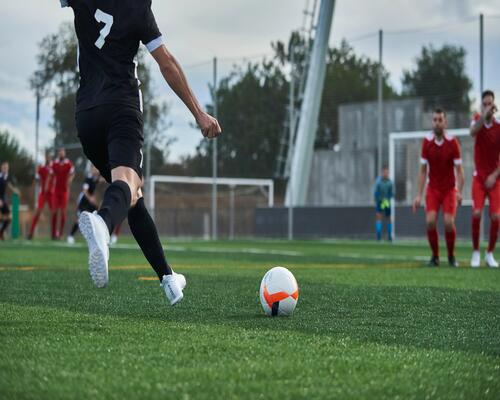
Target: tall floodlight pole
{"x":292,"y":132}
{"x":481,"y":53}
{"x":37,"y":138}
{"x":214,"y":159}
{"x":380,"y":104}
{"x":308,"y":123}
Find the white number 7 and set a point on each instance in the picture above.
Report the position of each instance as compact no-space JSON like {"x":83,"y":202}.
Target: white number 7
{"x":101,"y":16}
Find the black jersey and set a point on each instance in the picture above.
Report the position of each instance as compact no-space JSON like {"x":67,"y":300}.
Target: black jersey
{"x":4,"y":182}
{"x":109,"y":33}
{"x":89,"y":185}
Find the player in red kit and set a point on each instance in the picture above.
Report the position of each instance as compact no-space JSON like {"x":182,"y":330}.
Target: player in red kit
{"x":440,"y":162}
{"x":485,"y":129}
{"x":63,"y":175}
{"x":45,"y":178}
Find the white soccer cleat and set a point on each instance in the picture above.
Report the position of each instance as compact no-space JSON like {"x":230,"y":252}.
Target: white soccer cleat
{"x":181,"y":279}
{"x":96,"y":233}
{"x":70,"y":240}
{"x":490,"y":261}
{"x":114,"y":239}
{"x":172,"y":288}
{"x":475,"y":260}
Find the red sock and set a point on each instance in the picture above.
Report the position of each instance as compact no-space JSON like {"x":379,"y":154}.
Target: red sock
{"x":476,"y":226}
{"x":432,"y":235}
{"x":54,"y":224}
{"x":450,"y":242}
{"x":34,"y":223}
{"x":493,"y":235}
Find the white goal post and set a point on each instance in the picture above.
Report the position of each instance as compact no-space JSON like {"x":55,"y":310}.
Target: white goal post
{"x":412,"y":157}
{"x":266,"y":186}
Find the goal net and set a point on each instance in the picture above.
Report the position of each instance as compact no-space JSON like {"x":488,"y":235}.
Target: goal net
{"x":404,"y":163}
{"x":182,"y":206}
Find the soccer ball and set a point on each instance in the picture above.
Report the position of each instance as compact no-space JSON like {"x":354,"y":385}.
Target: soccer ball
{"x":279,"y":292}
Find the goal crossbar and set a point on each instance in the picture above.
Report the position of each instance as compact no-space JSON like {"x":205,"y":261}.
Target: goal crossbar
{"x":201,"y":180}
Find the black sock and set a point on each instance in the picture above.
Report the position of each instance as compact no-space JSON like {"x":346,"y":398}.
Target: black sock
{"x":115,"y":204}
{"x":5,"y":225}
{"x":74,"y":229}
{"x":144,"y":230}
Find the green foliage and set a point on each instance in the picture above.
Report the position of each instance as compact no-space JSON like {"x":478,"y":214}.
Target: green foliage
{"x":253,"y":101}
{"x":371,"y":323}
{"x":21,"y":163}
{"x":440,"y":78}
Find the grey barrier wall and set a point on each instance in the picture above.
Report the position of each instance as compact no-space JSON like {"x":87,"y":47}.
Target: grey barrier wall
{"x":350,"y":222}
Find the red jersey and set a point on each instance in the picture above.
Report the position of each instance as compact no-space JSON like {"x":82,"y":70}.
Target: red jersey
{"x":46,"y":177}
{"x":486,"y":148}
{"x":441,"y":156}
{"x":62,"y":170}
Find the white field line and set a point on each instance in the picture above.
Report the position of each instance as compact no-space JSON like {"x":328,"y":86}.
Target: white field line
{"x":186,"y":249}
{"x":382,"y":257}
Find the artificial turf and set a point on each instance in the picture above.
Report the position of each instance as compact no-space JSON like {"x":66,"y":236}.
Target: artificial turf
{"x":371,"y":322}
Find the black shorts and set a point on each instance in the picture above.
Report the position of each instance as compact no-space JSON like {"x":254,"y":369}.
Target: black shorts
{"x":5,"y":209}
{"x":112,"y":136}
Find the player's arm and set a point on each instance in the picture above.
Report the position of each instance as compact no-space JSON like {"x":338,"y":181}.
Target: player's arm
{"x":459,"y":173}
{"x":176,"y":79}
{"x":422,"y":177}
{"x":492,"y":178}
{"x":486,"y":116}
{"x":71,"y":176}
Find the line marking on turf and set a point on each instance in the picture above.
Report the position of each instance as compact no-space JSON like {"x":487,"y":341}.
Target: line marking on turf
{"x":394,"y":257}
{"x":224,"y":250}
{"x":147,"y":278}
{"x":129,"y":267}
{"x":17,"y":268}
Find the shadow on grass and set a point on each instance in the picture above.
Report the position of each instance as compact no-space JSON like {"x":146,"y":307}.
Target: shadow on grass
{"x":424,"y":317}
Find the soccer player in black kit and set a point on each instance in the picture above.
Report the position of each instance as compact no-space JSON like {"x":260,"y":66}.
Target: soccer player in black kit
{"x":6,"y":182}
{"x":86,"y":199}
{"x":109,"y":122}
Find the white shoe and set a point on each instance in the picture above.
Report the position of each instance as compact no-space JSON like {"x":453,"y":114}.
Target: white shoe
{"x":475,"y":260}
{"x":181,"y":279}
{"x":490,"y":261}
{"x":96,"y":233}
{"x":172,"y":288}
{"x":70,"y":240}
{"x":114,"y":239}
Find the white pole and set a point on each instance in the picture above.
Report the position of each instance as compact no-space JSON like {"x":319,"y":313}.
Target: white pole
{"x":306,"y":133}
{"x":380,"y":104}
{"x":231,"y":212}
{"x":214,"y":160}
{"x":392,"y":172}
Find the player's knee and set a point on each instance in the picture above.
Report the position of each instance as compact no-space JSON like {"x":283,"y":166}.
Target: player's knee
{"x":431,"y":224}
{"x":476,"y":213}
{"x":495,"y":217}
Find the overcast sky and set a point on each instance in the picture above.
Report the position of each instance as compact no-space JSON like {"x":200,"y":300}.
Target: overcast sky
{"x":196,"y":31}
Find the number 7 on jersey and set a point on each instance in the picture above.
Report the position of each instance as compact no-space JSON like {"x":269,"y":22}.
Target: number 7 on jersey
{"x":107,"y":19}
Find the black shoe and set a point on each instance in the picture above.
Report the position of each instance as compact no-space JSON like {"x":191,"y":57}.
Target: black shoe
{"x":30,"y":237}
{"x":433,"y":262}
{"x":452,"y":262}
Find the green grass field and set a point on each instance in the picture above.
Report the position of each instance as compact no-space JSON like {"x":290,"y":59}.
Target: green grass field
{"x":372,"y":322}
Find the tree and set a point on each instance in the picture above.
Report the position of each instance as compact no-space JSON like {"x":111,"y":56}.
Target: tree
{"x":253,"y":101}
{"x":57,"y":76}
{"x":21,"y":164}
{"x":251,"y":105}
{"x":440,"y":78}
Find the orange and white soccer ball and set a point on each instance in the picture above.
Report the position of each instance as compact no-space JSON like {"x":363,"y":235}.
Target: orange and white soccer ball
{"x":279,"y":292}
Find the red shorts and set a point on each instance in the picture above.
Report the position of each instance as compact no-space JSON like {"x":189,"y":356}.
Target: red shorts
{"x":480,"y":192}
{"x":61,"y":200}
{"x":45,"y":198}
{"x":434,"y":199}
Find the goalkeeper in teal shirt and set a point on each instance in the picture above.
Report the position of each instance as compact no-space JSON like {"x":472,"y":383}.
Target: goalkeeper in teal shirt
{"x":383,"y":193}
